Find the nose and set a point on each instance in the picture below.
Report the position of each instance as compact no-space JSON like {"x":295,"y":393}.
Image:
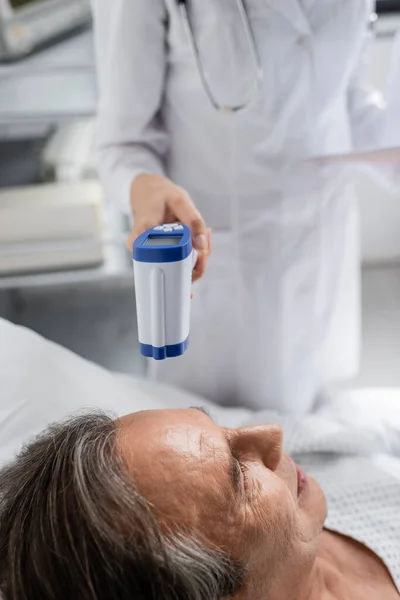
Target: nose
{"x":262,"y":443}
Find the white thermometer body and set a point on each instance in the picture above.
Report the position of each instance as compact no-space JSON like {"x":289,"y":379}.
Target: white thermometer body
{"x":163,"y":259}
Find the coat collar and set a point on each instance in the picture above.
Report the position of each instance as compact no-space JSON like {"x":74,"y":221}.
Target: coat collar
{"x":293,"y":12}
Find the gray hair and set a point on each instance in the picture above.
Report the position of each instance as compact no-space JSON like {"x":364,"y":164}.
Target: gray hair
{"x":74,"y":526}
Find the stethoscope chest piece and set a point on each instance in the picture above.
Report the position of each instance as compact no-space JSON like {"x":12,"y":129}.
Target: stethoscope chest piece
{"x":258,"y":72}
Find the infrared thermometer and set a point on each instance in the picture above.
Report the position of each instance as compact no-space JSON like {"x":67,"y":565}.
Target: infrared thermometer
{"x":163,"y":262}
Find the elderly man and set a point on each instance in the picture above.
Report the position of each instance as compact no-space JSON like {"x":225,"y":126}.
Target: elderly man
{"x":168,"y":504}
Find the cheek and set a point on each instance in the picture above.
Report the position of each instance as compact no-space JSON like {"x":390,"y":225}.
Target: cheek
{"x":269,"y":494}
{"x":272,"y":513}
{"x":222,"y":518}
{"x":202,"y":504}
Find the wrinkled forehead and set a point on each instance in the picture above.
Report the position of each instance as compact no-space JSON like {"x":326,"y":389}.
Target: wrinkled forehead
{"x":178,"y":434}
{"x":177,"y":459}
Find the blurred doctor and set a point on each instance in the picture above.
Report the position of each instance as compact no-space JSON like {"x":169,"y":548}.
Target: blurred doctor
{"x":276,"y":315}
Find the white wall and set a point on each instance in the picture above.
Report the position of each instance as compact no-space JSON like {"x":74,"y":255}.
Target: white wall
{"x":380,"y":210}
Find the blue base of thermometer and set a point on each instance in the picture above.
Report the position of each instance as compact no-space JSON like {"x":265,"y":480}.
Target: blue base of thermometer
{"x":164,"y":352}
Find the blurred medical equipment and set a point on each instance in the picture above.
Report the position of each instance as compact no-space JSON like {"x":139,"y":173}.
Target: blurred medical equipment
{"x":69,"y":156}
{"x":27,"y":24}
{"x":50,"y":227}
{"x":258,"y":70}
{"x":69,"y":153}
{"x":163,"y":259}
{"x":385,"y":6}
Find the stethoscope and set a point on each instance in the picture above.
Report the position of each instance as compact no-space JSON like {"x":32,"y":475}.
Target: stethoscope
{"x":183,"y":7}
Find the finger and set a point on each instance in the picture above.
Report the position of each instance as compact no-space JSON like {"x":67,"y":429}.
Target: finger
{"x":200,"y":236}
{"x":200,"y":267}
{"x":187,"y":213}
{"x":209,"y":240}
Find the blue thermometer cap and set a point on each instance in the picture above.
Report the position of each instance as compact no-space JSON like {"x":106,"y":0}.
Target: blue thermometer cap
{"x":163,"y":244}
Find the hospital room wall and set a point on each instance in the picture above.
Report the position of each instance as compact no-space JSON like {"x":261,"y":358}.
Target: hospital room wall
{"x":380,"y":229}
{"x":380,"y":210}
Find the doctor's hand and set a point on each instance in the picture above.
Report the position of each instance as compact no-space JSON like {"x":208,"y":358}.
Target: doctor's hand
{"x":156,"y":200}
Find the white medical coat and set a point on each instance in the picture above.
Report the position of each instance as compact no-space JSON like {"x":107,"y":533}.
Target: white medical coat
{"x":277,"y":315}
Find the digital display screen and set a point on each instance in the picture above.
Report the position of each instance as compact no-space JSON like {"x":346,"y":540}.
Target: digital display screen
{"x":20,"y":3}
{"x":163,"y":241}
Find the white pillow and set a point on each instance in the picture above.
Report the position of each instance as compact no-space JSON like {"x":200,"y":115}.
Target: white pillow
{"x":41,"y":383}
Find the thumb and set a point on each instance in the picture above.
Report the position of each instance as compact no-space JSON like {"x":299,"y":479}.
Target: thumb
{"x":200,"y":236}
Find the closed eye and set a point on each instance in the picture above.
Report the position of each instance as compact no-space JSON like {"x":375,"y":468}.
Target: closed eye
{"x":238,"y":472}
{"x":236,"y":475}
{"x":237,"y":468}
{"x":243,"y":472}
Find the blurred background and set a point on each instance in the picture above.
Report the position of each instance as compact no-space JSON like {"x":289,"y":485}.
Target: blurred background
{"x":64,"y":269}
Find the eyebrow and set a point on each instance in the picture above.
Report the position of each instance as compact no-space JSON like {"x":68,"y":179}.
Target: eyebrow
{"x":202,"y":410}
{"x":235,"y":471}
